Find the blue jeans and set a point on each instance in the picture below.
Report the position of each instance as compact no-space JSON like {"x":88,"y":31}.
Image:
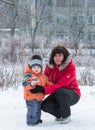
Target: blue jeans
{"x":33,"y":111}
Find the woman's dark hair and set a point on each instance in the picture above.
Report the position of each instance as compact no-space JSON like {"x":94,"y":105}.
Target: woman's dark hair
{"x":58,"y":50}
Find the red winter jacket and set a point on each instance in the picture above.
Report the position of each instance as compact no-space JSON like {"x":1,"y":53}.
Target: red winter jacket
{"x":63,"y":76}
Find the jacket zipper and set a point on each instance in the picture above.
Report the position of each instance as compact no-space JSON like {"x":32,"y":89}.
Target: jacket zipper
{"x":54,"y":78}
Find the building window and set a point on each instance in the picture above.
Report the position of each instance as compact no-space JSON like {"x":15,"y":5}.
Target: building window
{"x":75,"y":18}
{"x":91,"y":2}
{"x":46,"y":2}
{"x":49,"y":2}
{"x":81,"y":38}
{"x":91,"y":36}
{"x":62,"y":35}
{"x":78,"y":18}
{"x":0,"y":44}
{"x":60,"y":20}
{"x":61,"y":3}
{"x":81,"y":19}
{"x":91,"y":19}
{"x":78,"y":2}
{"x":59,"y":35}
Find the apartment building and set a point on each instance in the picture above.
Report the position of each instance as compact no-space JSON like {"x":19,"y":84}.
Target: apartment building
{"x":74,"y":19}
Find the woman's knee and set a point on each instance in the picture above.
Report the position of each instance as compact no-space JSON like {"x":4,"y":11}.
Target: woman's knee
{"x":43,"y":106}
{"x":59,"y":91}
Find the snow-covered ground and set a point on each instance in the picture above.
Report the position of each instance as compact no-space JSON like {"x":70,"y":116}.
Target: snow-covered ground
{"x":13,"y":112}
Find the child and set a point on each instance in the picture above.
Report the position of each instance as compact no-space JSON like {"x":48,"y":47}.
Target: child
{"x":33,"y":76}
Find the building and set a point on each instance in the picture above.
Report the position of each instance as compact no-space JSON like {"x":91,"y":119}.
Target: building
{"x":72,"y":19}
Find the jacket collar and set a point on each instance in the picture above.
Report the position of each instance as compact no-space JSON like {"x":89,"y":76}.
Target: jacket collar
{"x":62,"y":66}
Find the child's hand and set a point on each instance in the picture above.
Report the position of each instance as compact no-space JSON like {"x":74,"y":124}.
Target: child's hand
{"x":26,"y":83}
{"x":26,"y":77}
{"x":33,"y":83}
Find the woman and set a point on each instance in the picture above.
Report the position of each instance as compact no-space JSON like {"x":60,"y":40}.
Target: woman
{"x":65,"y":91}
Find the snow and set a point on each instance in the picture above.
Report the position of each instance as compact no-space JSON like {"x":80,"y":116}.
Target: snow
{"x":13,"y":112}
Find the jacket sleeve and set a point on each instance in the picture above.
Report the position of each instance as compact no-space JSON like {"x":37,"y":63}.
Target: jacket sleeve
{"x":48,"y":82}
{"x":62,"y":83}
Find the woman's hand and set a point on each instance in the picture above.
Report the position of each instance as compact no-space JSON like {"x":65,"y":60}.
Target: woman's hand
{"x":37,"y":89}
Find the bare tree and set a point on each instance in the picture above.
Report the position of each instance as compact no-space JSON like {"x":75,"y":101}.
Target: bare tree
{"x":77,"y":22}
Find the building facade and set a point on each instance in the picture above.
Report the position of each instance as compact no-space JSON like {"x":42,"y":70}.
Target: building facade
{"x":72,"y":19}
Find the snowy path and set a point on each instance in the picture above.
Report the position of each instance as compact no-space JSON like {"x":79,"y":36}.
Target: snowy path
{"x":13,"y":112}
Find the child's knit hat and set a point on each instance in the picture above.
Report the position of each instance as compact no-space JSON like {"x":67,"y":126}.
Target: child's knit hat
{"x":36,"y":60}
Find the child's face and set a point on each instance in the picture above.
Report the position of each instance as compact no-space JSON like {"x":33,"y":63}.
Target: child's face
{"x":36,"y":69}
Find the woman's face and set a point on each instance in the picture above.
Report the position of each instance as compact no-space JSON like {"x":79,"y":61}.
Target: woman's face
{"x":58,"y":58}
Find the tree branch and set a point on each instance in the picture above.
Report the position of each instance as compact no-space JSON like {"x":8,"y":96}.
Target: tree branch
{"x":11,"y":3}
{"x":7,"y":2}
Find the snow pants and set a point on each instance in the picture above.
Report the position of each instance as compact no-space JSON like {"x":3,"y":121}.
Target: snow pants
{"x":33,"y":111}
{"x":58,"y":104}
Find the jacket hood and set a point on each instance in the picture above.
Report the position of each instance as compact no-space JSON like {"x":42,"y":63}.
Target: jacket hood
{"x":62,"y":66}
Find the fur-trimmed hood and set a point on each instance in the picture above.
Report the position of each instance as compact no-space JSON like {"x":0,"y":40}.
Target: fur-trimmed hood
{"x":62,"y":66}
